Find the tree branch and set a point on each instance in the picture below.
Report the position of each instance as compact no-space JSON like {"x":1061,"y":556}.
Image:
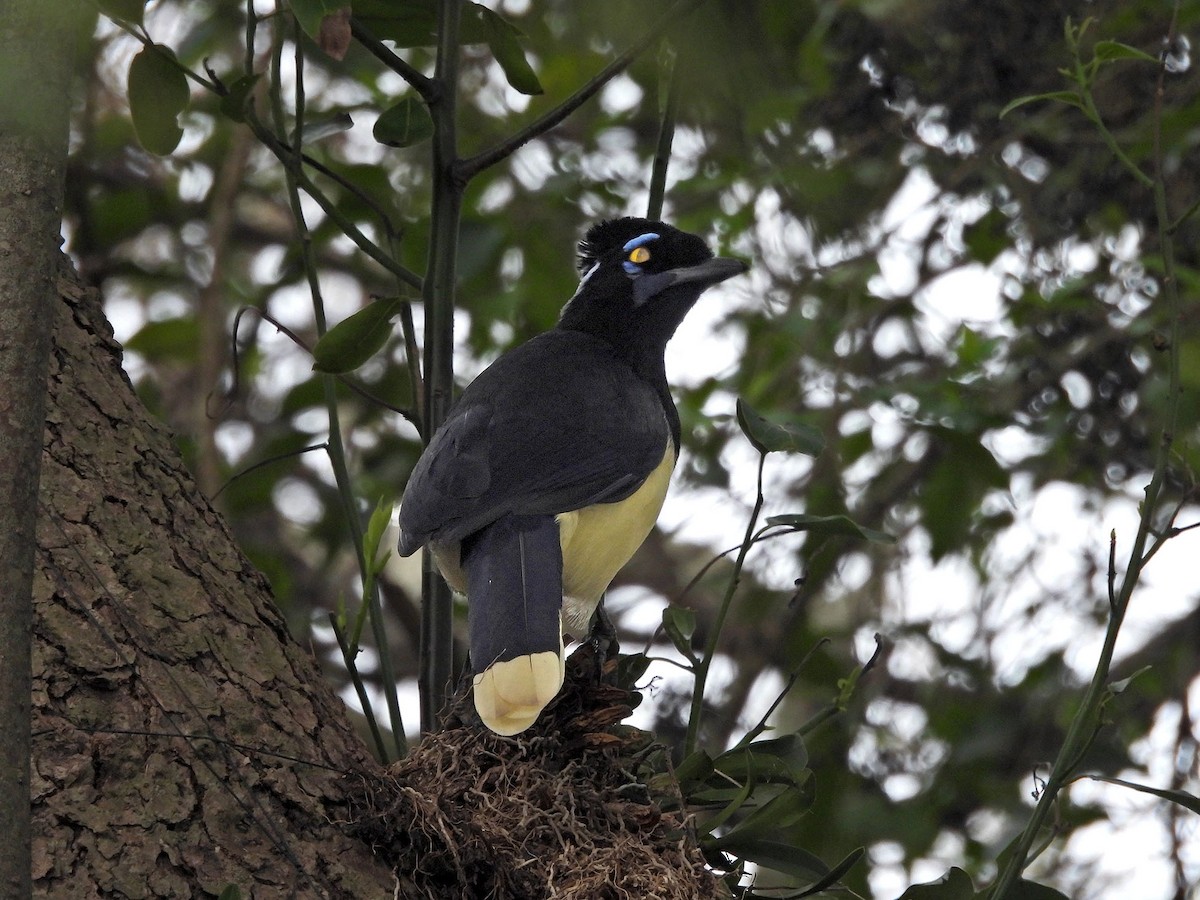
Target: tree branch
{"x":666,"y":137}
{"x":286,"y":155}
{"x":424,"y":86}
{"x":437,"y":625}
{"x":472,"y":166}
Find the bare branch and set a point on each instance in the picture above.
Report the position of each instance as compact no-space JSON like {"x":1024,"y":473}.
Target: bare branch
{"x":472,"y":166}
{"x":422,"y":84}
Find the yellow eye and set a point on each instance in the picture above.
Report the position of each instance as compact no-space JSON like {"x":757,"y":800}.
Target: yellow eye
{"x":639,"y":255}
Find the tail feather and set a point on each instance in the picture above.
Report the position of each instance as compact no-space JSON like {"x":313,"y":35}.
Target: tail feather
{"x":509,"y":696}
{"x":514,"y":591}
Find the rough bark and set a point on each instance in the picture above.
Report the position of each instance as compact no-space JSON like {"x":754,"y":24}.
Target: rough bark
{"x":182,"y":741}
{"x":34,"y":80}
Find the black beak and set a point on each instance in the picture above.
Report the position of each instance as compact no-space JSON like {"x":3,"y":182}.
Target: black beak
{"x":706,"y":274}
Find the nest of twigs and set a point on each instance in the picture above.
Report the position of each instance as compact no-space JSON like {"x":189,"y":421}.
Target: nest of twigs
{"x":563,"y":810}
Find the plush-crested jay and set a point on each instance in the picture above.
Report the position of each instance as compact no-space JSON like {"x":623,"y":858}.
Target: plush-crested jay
{"x":551,"y":469}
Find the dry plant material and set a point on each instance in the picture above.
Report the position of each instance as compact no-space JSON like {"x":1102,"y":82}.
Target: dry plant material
{"x":560,"y":811}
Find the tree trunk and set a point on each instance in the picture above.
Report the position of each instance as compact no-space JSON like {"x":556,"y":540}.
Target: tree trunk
{"x":35,"y":73}
{"x":182,"y":741}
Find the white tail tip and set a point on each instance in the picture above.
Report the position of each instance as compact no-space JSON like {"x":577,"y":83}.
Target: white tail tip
{"x":510,"y":695}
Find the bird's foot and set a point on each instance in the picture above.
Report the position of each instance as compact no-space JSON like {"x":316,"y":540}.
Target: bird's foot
{"x":604,"y":642}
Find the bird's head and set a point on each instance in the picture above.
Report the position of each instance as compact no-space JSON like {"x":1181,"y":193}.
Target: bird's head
{"x":639,"y":279}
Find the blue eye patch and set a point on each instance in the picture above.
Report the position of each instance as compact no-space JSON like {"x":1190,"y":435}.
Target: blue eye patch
{"x":631,"y":247}
{"x":640,"y":240}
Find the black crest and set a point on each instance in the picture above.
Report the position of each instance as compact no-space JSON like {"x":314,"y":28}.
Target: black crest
{"x":611,"y":234}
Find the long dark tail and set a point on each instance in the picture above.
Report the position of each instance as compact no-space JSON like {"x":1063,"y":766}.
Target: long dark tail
{"x":514,"y":594}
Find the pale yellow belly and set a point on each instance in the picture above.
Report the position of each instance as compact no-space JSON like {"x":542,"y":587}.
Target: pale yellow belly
{"x":599,"y":540}
{"x":596,"y":542}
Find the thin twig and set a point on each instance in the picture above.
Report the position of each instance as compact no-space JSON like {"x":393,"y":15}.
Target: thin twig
{"x":468,"y":168}
{"x":285,"y":153}
{"x":714,"y":635}
{"x":366,"y":199}
{"x":1187,"y":214}
{"x":291,"y":454}
{"x":251,"y":28}
{"x":364,"y":700}
{"x":412,"y":358}
{"x":289,"y":156}
{"x":422,"y":84}
{"x":300,"y":342}
{"x":1112,"y":570}
{"x":142,"y":36}
{"x":787,"y":689}
{"x":1083,"y":78}
{"x":763,"y":534}
{"x":666,"y":137}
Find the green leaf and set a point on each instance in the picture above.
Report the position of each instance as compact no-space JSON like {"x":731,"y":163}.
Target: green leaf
{"x":954,"y":885}
{"x":987,"y":237}
{"x":501,"y":38}
{"x":233,"y":104}
{"x":694,"y":769}
{"x":121,"y":213}
{"x":325,"y":21}
{"x":780,"y":812}
{"x":1107,"y":51}
{"x":1183,"y":798}
{"x":1119,"y":687}
{"x":711,"y":798}
{"x":309,"y":13}
{"x":964,"y":471}
{"x":374,"y":562}
{"x":781,"y":760}
{"x":413,"y":23}
{"x":230,"y":892}
{"x":736,"y":802}
{"x":1031,"y":890}
{"x":768,"y":436}
{"x":1071,"y":98}
{"x":356,"y":339}
{"x":973,"y":349}
{"x":168,"y":339}
{"x":680,"y":625}
{"x":316,"y":129}
{"x":125,"y":10}
{"x":630,"y":668}
{"x":158,"y":93}
{"x":376,"y":526}
{"x":839,"y":525}
{"x":778,"y":856}
{"x":405,"y":124}
{"x":835,"y":874}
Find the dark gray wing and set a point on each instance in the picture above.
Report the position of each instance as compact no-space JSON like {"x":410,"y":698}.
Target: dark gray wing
{"x":555,"y":425}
